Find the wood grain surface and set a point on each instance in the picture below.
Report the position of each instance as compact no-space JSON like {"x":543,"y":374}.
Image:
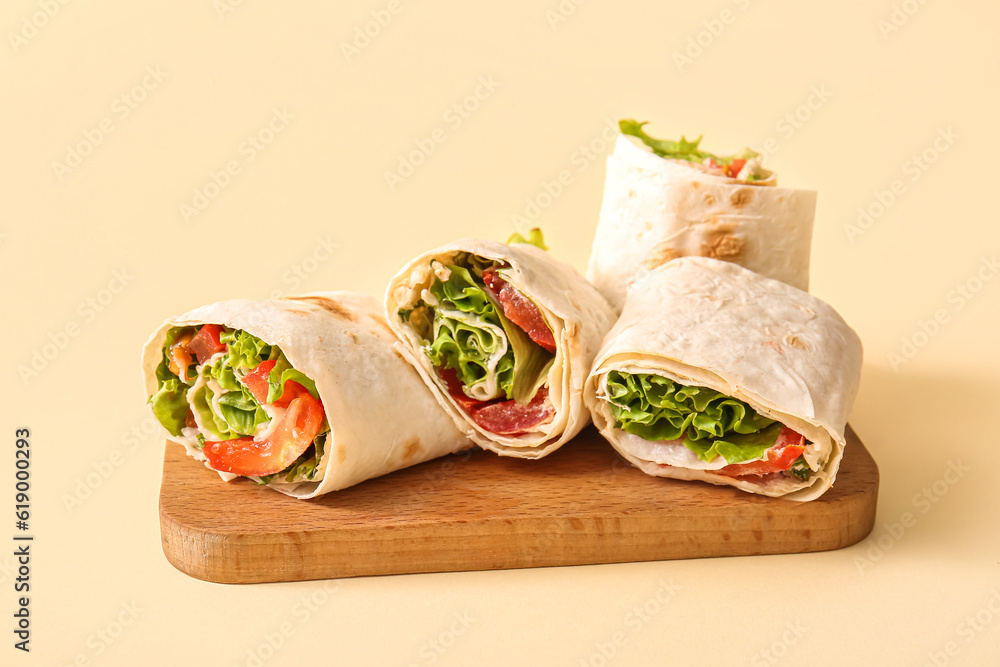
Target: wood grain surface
{"x":478,"y":511}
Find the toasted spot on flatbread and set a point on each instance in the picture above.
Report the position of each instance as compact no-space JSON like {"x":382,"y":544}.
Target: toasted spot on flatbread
{"x":695,"y":185}
{"x":741,"y":197}
{"x":660,"y":255}
{"x":631,"y":194}
{"x":354,"y":338}
{"x":722,"y":244}
{"x":340,"y":453}
{"x":709,"y":199}
{"x":328,"y":305}
{"x":795,"y":341}
{"x":411,"y":448}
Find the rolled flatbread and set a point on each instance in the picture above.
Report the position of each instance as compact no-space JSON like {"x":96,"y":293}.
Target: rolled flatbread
{"x":657,"y":209}
{"x":504,"y":335}
{"x":306,"y":394}
{"x":718,"y":374}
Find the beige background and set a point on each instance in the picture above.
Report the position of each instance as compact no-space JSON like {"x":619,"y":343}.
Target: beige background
{"x":94,"y":256}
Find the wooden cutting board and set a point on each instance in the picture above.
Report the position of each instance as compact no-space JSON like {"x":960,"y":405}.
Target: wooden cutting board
{"x":478,"y":511}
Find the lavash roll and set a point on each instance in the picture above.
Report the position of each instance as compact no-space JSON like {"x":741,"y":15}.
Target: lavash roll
{"x":708,"y":323}
{"x":656,"y":209}
{"x":576,"y":313}
{"x":382,"y":417}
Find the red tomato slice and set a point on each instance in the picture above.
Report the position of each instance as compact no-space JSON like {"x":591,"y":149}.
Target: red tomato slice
{"x":734,"y":168}
{"x":206,"y":342}
{"x":786,"y":450}
{"x":520,"y":310}
{"x":256,"y":380}
{"x":298,"y":427}
{"x":292,"y":389}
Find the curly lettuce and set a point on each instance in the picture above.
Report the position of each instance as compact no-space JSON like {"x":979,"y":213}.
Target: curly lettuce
{"x":212,"y":423}
{"x":534,"y":238}
{"x":221,"y":370}
{"x":466,"y":330}
{"x":245,"y":350}
{"x":709,"y":423}
{"x":679,"y":150}
{"x":468,"y":334}
{"x":169,"y":405}
{"x":224,"y":407}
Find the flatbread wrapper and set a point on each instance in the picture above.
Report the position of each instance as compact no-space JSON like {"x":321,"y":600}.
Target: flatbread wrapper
{"x":575,"y":312}
{"x":656,"y":209}
{"x":709,"y":323}
{"x":381,"y":415}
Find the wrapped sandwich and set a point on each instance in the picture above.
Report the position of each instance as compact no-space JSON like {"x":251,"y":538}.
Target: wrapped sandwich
{"x":304,"y":394}
{"x":668,"y":199}
{"x":504,"y":335}
{"x":718,"y":374}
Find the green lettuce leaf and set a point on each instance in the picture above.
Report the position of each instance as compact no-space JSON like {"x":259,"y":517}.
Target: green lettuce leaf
{"x":467,"y":349}
{"x":241,"y":412}
{"x":282,"y":373}
{"x":169,"y":405}
{"x":710,"y":423}
{"x":461,"y":345}
{"x":801,"y":469}
{"x":736,"y":447}
{"x":215,"y":424}
{"x":245,"y":350}
{"x":535,"y":238}
{"x":222,"y":372}
{"x":679,"y":150}
{"x":463,"y":293}
{"x":306,"y":466}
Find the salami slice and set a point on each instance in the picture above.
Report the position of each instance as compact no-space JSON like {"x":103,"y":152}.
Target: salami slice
{"x":520,"y":310}
{"x":551,"y":319}
{"x":509,"y":418}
